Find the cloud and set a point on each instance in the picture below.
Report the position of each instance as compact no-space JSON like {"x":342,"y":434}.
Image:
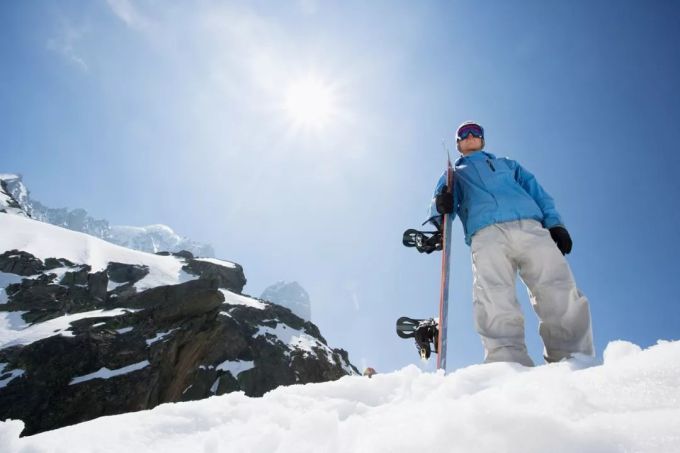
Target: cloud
{"x":128,"y":13}
{"x":66,"y":41}
{"x":352,"y":288}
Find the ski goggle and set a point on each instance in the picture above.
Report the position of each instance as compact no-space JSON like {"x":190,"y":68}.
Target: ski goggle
{"x":469,"y":129}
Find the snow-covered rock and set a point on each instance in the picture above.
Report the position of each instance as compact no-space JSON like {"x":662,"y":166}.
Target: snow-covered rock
{"x":290,"y":295}
{"x":89,"y":328}
{"x":15,"y":199}
{"x":630,"y":404}
{"x":11,"y":190}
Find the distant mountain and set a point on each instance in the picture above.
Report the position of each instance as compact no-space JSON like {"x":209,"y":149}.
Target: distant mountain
{"x":89,"y":328}
{"x":11,"y":190}
{"x":156,"y":238}
{"x":15,"y":199}
{"x":290,"y":295}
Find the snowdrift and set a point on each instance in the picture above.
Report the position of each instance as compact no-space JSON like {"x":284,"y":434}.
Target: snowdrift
{"x":631,"y":402}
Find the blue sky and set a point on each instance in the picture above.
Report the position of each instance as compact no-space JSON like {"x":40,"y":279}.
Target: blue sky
{"x":150,"y":112}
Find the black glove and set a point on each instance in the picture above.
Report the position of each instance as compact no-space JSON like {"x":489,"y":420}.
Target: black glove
{"x":561,"y":237}
{"x":444,"y":201}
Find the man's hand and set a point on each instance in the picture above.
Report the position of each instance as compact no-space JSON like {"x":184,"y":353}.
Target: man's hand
{"x":561,"y":237}
{"x":444,"y":201}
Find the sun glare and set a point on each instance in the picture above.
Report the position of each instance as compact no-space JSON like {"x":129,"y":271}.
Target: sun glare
{"x":310,"y":103}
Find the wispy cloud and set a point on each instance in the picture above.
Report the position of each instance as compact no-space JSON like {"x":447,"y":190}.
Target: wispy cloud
{"x":352,"y":288}
{"x":128,"y":13}
{"x":66,"y":41}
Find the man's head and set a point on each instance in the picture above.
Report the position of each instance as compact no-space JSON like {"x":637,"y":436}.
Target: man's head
{"x":469,"y":137}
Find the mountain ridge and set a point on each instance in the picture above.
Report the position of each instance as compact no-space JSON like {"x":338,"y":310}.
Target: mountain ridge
{"x":15,"y":199}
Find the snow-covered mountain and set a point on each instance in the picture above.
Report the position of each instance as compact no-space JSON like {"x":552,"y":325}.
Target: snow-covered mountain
{"x":630,"y":403}
{"x":89,"y":328}
{"x":156,"y":238}
{"x":11,"y":190}
{"x":290,"y":295}
{"x":15,"y":199}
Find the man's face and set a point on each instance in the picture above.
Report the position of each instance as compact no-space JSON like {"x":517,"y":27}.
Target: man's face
{"x":469,"y":145}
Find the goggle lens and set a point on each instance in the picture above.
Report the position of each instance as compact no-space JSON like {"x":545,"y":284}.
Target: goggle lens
{"x":465,"y":131}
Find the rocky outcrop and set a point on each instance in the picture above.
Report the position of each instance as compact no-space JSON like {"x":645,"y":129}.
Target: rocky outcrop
{"x":90,"y":343}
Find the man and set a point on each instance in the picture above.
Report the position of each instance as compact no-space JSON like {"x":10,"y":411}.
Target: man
{"x":511,"y":225}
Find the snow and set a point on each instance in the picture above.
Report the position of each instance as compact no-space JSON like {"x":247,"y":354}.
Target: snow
{"x":8,"y":197}
{"x":156,"y":238}
{"x":5,"y":280}
{"x":124,"y":330}
{"x":218,"y":262}
{"x":13,"y":374}
{"x":44,"y":241}
{"x":235,"y":367}
{"x":296,"y":339}
{"x":11,"y":320}
{"x":114,"y":285}
{"x":159,"y":337}
{"x":237,"y":299}
{"x":61,"y":271}
{"x":13,"y":331}
{"x":105,"y":373}
{"x":629,"y":403}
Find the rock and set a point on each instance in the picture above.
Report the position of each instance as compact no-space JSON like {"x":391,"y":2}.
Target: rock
{"x":53,"y":263}
{"x":171,"y":303}
{"x":166,"y":344}
{"x":78,"y":276}
{"x":20,"y":263}
{"x":231,"y":278}
{"x":187,"y":255}
{"x":126,"y":273}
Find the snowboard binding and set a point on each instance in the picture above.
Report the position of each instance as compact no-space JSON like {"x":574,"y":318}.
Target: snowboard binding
{"x":423,"y":241}
{"x":425,"y":332}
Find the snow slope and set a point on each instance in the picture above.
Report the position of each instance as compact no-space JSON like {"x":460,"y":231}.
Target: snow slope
{"x":629,"y":403}
{"x":151,"y":238}
{"x":48,"y":241}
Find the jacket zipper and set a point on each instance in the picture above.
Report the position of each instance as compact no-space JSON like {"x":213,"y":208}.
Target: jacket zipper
{"x":490,"y":165}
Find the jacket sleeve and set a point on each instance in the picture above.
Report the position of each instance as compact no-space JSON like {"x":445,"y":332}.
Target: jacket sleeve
{"x":435,"y":217}
{"x":544,"y":201}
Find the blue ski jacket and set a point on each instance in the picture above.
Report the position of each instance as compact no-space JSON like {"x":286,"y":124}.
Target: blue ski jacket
{"x":488,"y":190}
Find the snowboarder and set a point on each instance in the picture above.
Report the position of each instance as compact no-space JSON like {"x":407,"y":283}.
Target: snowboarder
{"x":511,"y":224}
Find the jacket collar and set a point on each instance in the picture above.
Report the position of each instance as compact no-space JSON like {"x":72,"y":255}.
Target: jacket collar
{"x":474,"y":156}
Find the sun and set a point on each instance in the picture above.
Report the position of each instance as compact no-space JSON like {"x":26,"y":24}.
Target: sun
{"x":310,"y":102}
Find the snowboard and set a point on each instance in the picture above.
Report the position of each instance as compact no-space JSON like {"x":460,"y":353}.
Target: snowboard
{"x":430,"y":334}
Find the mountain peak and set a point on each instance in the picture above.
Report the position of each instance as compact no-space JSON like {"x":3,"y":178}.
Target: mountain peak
{"x":290,"y":295}
{"x":13,"y":194}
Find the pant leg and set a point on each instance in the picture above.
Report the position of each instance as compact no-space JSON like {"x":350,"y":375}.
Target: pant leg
{"x":498,"y":315}
{"x":563,"y":312}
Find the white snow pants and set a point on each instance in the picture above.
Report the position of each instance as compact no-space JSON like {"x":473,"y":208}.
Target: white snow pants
{"x":498,"y":252}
